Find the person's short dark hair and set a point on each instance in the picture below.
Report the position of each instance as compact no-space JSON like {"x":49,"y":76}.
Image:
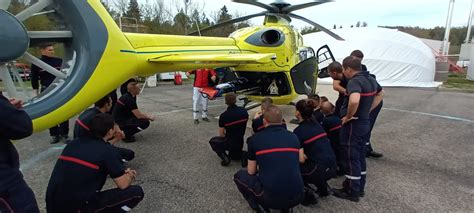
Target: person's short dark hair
{"x":230,"y":99}
{"x":44,"y":45}
{"x":103,"y":101}
{"x":327,"y":108}
{"x":306,"y":108}
{"x":352,"y":62}
{"x":323,"y":99}
{"x":358,"y":54}
{"x":101,"y":124}
{"x":267,"y":100}
{"x":314,"y":97}
{"x":273,"y":115}
{"x":335,"y":67}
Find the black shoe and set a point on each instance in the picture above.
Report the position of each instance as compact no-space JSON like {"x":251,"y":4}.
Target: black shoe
{"x":295,"y":121}
{"x":55,"y":139}
{"x":225,"y":159}
{"x":322,"y":193}
{"x":129,"y":139}
{"x":361,"y":194}
{"x":309,"y":198}
{"x":343,"y":194}
{"x":206,"y":119}
{"x":65,"y":139}
{"x":196,"y":121}
{"x":373,"y":154}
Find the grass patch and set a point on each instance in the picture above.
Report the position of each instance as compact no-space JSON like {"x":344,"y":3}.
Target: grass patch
{"x":458,"y":81}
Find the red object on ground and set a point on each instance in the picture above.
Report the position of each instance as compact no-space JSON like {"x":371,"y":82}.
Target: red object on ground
{"x":178,"y":79}
{"x":210,"y":92}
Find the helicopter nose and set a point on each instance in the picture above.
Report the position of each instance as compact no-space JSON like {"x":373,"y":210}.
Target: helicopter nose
{"x":14,"y":38}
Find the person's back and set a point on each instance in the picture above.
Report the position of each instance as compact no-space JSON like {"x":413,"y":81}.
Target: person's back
{"x":234,"y":121}
{"x":81,"y":171}
{"x":316,"y":145}
{"x":332,"y":125}
{"x":276,"y":151}
{"x":368,"y":87}
{"x":83,"y":121}
{"x":123,"y":109}
{"x":14,"y":192}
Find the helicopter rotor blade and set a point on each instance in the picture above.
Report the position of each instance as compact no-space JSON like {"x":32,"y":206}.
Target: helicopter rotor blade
{"x":232,"y":21}
{"x":270,"y":8}
{"x":334,"y":35}
{"x":292,"y":8}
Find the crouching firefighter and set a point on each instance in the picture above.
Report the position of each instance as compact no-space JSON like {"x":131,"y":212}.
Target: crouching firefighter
{"x":232,"y":125}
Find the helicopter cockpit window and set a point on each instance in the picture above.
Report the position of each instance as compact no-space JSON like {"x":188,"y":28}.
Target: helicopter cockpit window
{"x":325,"y":57}
{"x":306,"y":53}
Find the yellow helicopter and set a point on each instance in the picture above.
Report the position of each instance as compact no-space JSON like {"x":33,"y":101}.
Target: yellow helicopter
{"x":99,"y":56}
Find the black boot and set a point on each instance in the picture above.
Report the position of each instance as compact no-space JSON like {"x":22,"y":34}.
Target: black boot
{"x":309,"y":197}
{"x":225,"y":160}
{"x":55,"y":139}
{"x":343,"y":194}
{"x":373,"y":154}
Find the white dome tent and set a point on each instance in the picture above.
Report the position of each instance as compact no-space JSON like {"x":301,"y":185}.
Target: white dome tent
{"x":396,"y":58}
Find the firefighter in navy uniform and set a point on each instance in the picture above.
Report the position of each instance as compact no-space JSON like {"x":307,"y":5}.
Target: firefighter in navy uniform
{"x":373,"y":113}
{"x":15,"y":124}
{"x":363,"y":91}
{"x":81,"y":170}
{"x":318,"y":162}
{"x":339,"y":84}
{"x":127,"y":115}
{"x":331,"y":123}
{"x":277,"y":184}
{"x":232,"y":126}
{"x":257,"y":121}
{"x":82,"y":126}
{"x":61,"y":131}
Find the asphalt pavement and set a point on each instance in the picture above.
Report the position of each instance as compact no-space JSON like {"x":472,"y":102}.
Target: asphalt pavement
{"x":426,"y":136}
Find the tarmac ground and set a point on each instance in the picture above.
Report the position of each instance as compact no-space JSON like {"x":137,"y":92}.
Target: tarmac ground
{"x":426,"y":136}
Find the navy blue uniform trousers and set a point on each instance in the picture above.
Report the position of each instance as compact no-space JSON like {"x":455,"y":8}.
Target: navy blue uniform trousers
{"x":372,"y":117}
{"x":18,"y":198}
{"x":352,"y":150}
{"x":252,"y":190}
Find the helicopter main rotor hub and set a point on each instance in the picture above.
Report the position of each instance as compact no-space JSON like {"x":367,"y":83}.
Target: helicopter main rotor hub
{"x":14,"y":38}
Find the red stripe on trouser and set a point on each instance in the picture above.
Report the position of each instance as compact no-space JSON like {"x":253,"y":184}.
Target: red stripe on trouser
{"x":115,"y":204}
{"x":6,"y":204}
{"x":248,"y":188}
{"x":349,"y":156}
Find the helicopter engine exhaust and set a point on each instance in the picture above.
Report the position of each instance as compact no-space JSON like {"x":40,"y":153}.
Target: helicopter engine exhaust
{"x":270,"y":37}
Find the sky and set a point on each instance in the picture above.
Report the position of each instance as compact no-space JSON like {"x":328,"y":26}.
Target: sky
{"x":422,"y":13}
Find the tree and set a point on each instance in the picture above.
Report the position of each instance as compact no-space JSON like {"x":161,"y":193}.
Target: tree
{"x":133,"y":10}
{"x":358,"y":24}
{"x":121,"y":6}
{"x":364,"y":24}
{"x":334,"y":27}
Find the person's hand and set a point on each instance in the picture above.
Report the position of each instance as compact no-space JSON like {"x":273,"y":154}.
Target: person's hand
{"x":257,"y":115}
{"x":132,"y":173}
{"x":17,"y":103}
{"x":118,"y":135}
{"x":151,"y":117}
{"x":346,"y":119}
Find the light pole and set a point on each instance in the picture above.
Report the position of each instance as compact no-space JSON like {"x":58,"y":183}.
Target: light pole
{"x":448,"y":29}
{"x":469,"y":25}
